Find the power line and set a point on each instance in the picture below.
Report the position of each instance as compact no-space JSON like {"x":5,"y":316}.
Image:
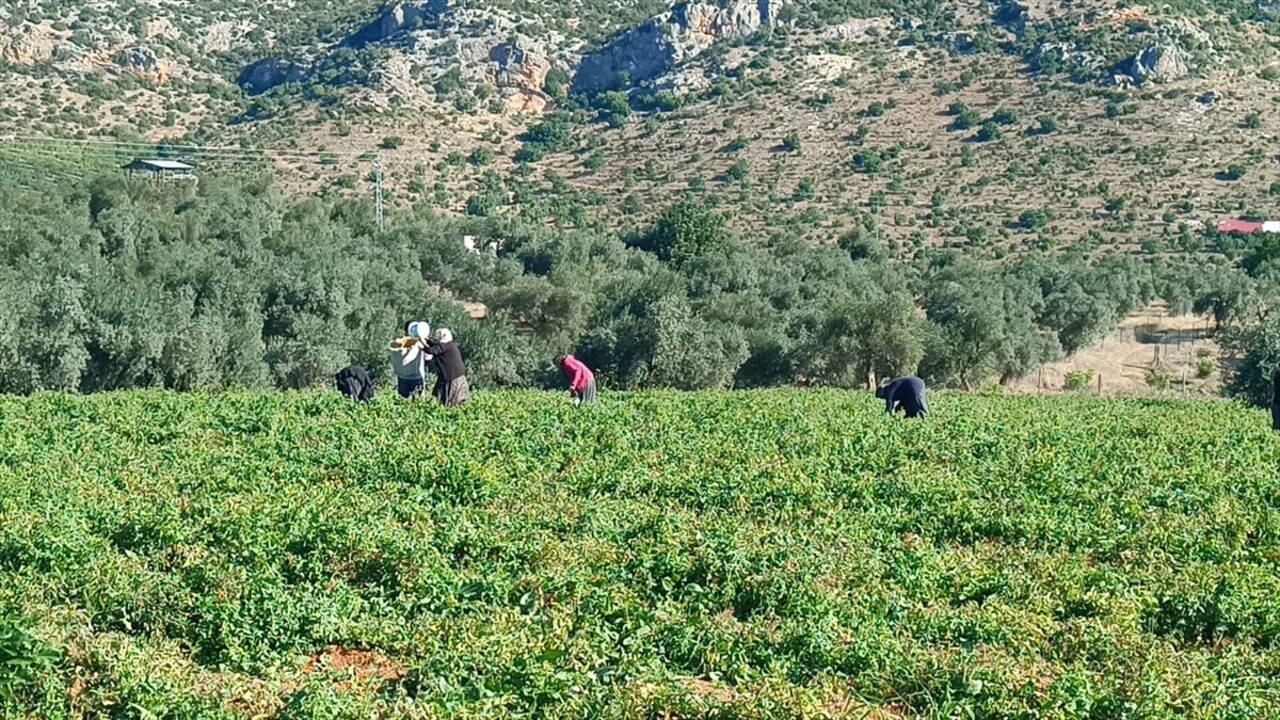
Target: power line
{"x":377,"y":168}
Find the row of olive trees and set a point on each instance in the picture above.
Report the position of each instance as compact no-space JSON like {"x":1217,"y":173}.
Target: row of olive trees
{"x":696,"y":308}
{"x":117,"y":285}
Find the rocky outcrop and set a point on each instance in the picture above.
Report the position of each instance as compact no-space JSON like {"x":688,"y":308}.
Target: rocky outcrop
{"x":28,"y":45}
{"x":856,"y":30}
{"x":398,"y":18}
{"x":1156,"y":63}
{"x":1067,"y":55}
{"x":1270,"y":8}
{"x":1009,"y":14}
{"x":142,"y":60}
{"x":271,"y":72}
{"x":655,"y":47}
{"x":521,"y":75}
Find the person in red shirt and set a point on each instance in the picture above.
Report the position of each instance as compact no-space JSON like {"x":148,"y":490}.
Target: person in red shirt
{"x":582,"y":382}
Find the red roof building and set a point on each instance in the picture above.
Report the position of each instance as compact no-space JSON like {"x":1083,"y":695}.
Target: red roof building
{"x":1244,"y":227}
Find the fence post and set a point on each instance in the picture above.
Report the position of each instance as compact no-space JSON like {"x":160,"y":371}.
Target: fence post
{"x":1040,"y":382}
{"x":1099,"y":384}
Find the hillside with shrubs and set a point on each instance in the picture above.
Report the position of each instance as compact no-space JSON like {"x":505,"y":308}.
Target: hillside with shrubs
{"x":987,"y":127}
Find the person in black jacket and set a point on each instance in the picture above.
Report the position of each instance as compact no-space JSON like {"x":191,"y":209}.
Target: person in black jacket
{"x":907,"y":394}
{"x":1275,"y":401}
{"x":451,"y":387}
{"x":353,"y":381}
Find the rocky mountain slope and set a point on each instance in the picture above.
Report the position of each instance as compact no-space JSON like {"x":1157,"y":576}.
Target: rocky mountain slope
{"x":989,"y":125}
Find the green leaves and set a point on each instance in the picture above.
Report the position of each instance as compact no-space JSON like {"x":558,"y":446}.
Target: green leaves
{"x":686,"y":231}
{"x":23,"y":659}
{"x":735,"y":551}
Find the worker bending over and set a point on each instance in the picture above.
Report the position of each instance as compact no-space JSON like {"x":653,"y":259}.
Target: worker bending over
{"x":1275,"y":401}
{"x":582,"y":382}
{"x":906,"y":394}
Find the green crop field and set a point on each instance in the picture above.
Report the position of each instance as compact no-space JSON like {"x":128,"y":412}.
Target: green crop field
{"x":762,"y":554}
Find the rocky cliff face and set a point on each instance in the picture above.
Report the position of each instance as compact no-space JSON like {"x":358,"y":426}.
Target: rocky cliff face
{"x":521,"y":75}
{"x":1157,"y":63}
{"x":27,"y":44}
{"x":143,"y":61}
{"x":1009,"y":14}
{"x":272,"y":72}
{"x":655,"y":47}
{"x":398,"y":18}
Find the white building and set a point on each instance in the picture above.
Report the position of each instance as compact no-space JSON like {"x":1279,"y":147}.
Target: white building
{"x":1271,"y":226}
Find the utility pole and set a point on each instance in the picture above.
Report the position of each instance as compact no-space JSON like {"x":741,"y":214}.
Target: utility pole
{"x":377,"y":201}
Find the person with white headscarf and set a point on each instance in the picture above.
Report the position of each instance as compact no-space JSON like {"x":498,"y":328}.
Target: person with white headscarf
{"x":408,"y":359}
{"x":451,"y":387}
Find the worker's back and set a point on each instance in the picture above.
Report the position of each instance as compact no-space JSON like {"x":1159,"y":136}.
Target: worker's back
{"x":406,"y":358}
{"x":907,"y":393}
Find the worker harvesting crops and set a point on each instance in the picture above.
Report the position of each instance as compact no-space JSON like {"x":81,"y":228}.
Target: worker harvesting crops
{"x":445,"y":359}
{"x":408,"y":360}
{"x":906,"y":394}
{"x":582,"y":382}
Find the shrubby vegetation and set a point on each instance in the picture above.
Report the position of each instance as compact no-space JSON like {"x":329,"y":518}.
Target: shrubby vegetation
{"x":115,"y":285}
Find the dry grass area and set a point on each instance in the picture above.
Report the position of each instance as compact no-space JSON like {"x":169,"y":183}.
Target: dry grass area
{"x":1147,"y":341}
{"x":1128,"y":182}
{"x":1162,"y":162}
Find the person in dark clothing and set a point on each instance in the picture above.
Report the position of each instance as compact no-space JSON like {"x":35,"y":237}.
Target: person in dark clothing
{"x":353,"y":382}
{"x":906,"y":394}
{"x":1275,"y":401}
{"x":451,"y":387}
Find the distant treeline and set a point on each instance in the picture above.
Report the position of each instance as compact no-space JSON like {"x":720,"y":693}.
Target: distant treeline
{"x":117,"y":284}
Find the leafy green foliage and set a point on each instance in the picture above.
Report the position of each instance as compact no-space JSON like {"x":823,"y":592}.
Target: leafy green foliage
{"x":1205,"y":367}
{"x":1005,"y":116}
{"x":525,"y":558}
{"x":965,"y":118}
{"x":1159,"y":380}
{"x":988,"y":132}
{"x":23,"y":659}
{"x":1257,"y":344}
{"x":684,"y":232}
{"x":1233,"y":173}
{"x":1034,"y":219}
{"x":1078,"y":380}
{"x":555,"y":133}
{"x":868,"y":161}
{"x":115,"y":285}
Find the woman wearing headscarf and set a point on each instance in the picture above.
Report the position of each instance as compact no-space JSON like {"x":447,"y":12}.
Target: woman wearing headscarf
{"x":452,"y":388}
{"x":408,"y":360}
{"x":582,"y":382}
